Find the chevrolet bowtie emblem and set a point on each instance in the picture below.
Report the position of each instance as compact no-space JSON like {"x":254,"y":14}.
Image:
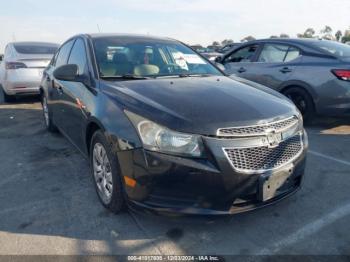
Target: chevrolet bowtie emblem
{"x":273,"y":138}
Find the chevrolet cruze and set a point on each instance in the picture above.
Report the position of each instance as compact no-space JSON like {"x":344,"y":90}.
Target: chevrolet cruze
{"x":166,"y":131}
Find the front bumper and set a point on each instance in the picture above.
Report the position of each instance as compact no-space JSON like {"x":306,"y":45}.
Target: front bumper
{"x":171,"y":184}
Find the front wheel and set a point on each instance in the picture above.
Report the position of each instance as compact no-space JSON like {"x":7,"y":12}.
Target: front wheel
{"x":303,"y":102}
{"x":106,"y":174}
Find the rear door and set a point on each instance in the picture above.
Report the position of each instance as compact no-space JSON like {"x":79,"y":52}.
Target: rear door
{"x":72,"y":97}
{"x":240,"y":61}
{"x":275,"y":64}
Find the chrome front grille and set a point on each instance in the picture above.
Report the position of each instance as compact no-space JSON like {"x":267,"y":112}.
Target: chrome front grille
{"x":263,"y":158}
{"x":257,"y":130}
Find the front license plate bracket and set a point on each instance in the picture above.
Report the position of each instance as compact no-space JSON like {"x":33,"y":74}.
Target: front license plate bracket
{"x":269,"y":183}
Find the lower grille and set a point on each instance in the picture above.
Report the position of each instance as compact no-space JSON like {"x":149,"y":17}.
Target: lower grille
{"x":260,"y":159}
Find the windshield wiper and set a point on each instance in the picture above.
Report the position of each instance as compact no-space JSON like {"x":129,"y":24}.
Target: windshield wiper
{"x":197,"y":75}
{"x":182,"y":75}
{"x":124,"y":77}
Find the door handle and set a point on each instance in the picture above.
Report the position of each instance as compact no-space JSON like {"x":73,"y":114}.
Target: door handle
{"x":285,"y":70}
{"x":241,"y":70}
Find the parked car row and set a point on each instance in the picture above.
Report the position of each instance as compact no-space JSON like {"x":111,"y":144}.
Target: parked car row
{"x":212,"y":51}
{"x":167,"y":130}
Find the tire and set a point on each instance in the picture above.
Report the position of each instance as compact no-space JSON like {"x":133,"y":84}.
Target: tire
{"x":112,"y":196}
{"x":303,"y":101}
{"x":50,"y":126}
{"x":8,"y":98}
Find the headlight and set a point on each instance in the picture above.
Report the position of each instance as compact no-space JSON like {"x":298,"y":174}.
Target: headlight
{"x":158,"y":138}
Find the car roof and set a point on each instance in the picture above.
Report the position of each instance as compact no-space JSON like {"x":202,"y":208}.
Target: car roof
{"x":130,"y":37}
{"x":288,"y":40}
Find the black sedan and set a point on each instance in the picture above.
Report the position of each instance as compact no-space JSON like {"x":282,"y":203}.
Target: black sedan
{"x":165,"y":130}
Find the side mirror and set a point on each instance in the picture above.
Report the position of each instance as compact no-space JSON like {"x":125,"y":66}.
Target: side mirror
{"x":218,"y":59}
{"x":67,"y":73}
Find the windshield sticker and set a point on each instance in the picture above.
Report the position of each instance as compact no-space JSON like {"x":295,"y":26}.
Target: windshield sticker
{"x":193,"y":59}
{"x":180,"y":60}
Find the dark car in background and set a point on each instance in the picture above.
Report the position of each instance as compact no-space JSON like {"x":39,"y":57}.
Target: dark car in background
{"x":314,"y":74}
{"x":227,"y":47}
{"x":209,"y":53}
{"x":166,"y":131}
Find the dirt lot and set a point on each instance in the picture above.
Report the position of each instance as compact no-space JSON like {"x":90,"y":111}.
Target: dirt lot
{"x":48,"y":204}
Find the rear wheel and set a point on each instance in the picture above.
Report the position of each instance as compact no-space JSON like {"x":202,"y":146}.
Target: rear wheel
{"x":8,"y":98}
{"x":50,"y":126}
{"x":106,"y":173}
{"x":303,"y":102}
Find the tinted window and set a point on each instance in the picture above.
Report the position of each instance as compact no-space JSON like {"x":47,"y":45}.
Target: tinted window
{"x":274,"y":53}
{"x":148,"y":57}
{"x":35,"y":49}
{"x":335,"y":48}
{"x":64,"y":53}
{"x":78,"y":56}
{"x":244,"y":54}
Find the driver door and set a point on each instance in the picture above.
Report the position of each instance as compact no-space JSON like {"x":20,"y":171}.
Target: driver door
{"x":240,"y":61}
{"x":73,"y":105}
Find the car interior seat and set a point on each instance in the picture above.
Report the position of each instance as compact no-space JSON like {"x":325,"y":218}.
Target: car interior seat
{"x":106,"y":68}
{"x":144,"y":70}
{"x":122,"y":64}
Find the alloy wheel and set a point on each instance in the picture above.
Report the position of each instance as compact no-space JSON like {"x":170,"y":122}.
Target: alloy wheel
{"x":46,"y":112}
{"x":102,"y":173}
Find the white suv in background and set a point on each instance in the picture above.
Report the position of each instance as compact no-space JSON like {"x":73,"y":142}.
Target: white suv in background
{"x":22,"y":67}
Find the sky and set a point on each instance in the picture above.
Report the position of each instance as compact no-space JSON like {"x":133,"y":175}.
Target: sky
{"x":191,"y":21}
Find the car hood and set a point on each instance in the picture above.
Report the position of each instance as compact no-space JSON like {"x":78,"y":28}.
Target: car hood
{"x":199,"y":105}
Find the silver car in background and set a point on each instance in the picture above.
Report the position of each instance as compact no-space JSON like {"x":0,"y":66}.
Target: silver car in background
{"x":22,"y":67}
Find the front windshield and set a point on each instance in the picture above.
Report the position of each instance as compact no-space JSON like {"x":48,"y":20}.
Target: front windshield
{"x":337,"y":49}
{"x":117,"y":56}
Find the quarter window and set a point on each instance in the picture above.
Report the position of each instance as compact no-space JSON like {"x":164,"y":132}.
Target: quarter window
{"x":64,"y":53}
{"x":244,"y":54}
{"x":78,"y":56}
{"x":273,"y":53}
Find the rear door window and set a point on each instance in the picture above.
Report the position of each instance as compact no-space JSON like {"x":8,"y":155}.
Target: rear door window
{"x":64,"y":53}
{"x":275,"y":53}
{"x":36,"y":49}
{"x":245,"y":54}
{"x":293,"y":53}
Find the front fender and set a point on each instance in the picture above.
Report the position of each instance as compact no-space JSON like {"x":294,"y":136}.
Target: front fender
{"x":112,"y":120}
